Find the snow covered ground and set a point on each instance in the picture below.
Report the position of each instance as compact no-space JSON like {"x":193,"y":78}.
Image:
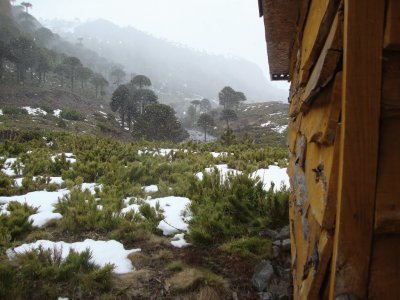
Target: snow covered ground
{"x":273,"y":174}
{"x":35,"y":111}
{"x":103,"y":252}
{"x":223,"y":170}
{"x":43,"y":201}
{"x":176,"y":216}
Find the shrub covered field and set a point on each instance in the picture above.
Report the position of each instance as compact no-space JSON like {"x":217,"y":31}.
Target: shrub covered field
{"x":86,"y":217}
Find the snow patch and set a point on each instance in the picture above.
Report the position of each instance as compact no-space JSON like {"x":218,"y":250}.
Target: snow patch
{"x":57,"y":112}
{"x":40,"y":219}
{"x":176,"y":214}
{"x":223,"y":170}
{"x":280,"y":129}
{"x":103,"y":252}
{"x":69,"y":157}
{"x":151,"y":189}
{"x":35,"y":111}
{"x":266,"y":124}
{"x":52,"y":180}
{"x":273,"y":174}
{"x":179,"y":241}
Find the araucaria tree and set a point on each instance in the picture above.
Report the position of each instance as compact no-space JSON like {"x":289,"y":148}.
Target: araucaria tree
{"x":24,"y":51}
{"x":131,"y":100}
{"x":205,"y":106}
{"x":159,"y":123}
{"x":99,"y":83}
{"x":141,"y":81}
{"x":228,"y":115}
{"x":205,"y":121}
{"x":120,"y":102}
{"x":27,"y":5}
{"x":72,"y":63}
{"x":229,"y":98}
{"x":118,"y":75}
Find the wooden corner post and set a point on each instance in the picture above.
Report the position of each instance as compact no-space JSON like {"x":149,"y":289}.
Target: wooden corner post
{"x":361,"y":101}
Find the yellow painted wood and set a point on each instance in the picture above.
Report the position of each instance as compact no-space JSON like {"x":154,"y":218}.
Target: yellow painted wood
{"x":326,"y":65}
{"x":362,"y":69}
{"x":317,"y":26}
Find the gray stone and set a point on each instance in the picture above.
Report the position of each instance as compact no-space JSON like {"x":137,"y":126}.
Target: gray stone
{"x":269,"y":233}
{"x":275,"y":251}
{"x":266,"y":296}
{"x":284,"y":233}
{"x":262,"y":276}
{"x":286,"y":245}
{"x":277,"y":243}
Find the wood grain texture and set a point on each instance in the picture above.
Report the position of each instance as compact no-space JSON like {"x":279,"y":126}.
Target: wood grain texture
{"x":320,"y":16}
{"x":392,"y":30}
{"x":385,"y":269}
{"x":387,"y":217}
{"x":326,"y":65}
{"x":363,"y":36}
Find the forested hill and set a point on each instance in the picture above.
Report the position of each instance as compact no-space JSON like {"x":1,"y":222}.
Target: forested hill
{"x":177,"y":71}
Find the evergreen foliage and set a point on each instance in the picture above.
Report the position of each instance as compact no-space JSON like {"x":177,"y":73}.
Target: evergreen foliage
{"x":159,"y":123}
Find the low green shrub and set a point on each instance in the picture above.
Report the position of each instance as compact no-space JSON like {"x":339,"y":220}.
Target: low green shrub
{"x":248,"y":247}
{"x":72,"y":115}
{"x":43,"y":274}
{"x":16,"y":224}
{"x":81,"y":213}
{"x":14,"y":111}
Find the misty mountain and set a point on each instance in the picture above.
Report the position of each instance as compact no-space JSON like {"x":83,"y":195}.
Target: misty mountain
{"x":176,"y":71}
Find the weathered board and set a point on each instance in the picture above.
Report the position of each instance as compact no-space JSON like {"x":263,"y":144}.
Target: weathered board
{"x":392,"y":30}
{"x":387,"y":216}
{"x":320,"y":16}
{"x":362,"y":69}
{"x":385,"y":268}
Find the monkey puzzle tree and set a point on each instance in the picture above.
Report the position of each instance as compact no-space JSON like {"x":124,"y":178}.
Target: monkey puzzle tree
{"x":118,"y":75}
{"x":99,"y":83}
{"x":141,"y":81}
{"x":205,"y":105}
{"x":120,"y":101}
{"x":229,"y":98}
{"x":27,"y":6}
{"x":24,"y":51}
{"x":159,"y":123}
{"x":73,"y":64}
{"x":226,"y":96}
{"x":143,"y":98}
{"x":228,"y":115}
{"x":205,"y":121}
{"x":84,"y":74}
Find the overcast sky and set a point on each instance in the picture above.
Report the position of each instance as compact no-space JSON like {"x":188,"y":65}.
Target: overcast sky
{"x":228,"y":27}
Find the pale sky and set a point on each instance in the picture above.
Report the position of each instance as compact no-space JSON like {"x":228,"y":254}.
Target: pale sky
{"x":228,"y":27}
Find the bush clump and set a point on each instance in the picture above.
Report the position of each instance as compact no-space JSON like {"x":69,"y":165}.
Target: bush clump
{"x":72,"y":115}
{"x":14,"y":111}
{"x":43,"y":274}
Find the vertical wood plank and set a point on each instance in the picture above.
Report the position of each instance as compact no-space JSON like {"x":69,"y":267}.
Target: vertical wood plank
{"x":385,"y":268}
{"x":363,"y":41}
{"x":392,"y":30}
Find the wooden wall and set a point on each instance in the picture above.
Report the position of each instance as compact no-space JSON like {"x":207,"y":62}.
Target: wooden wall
{"x":344,"y":141}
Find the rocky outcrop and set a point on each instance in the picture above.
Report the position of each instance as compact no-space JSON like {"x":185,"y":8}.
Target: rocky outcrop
{"x":272,"y":279}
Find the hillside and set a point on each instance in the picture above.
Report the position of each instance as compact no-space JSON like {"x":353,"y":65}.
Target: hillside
{"x":178,"y":72}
